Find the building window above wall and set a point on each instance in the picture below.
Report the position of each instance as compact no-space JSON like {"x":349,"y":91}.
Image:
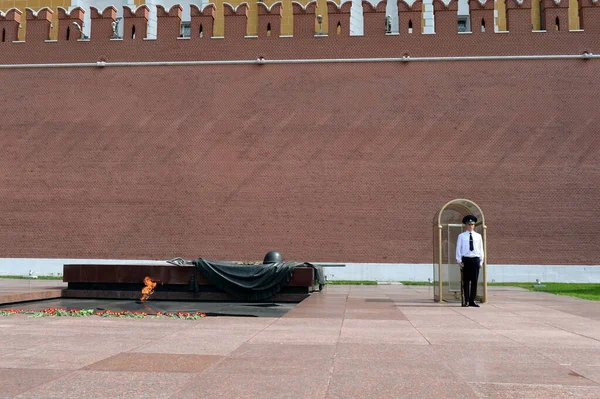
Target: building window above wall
{"x":185,"y":29}
{"x":463,"y":23}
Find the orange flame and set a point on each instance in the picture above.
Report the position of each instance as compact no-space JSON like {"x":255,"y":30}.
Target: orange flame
{"x":148,"y":289}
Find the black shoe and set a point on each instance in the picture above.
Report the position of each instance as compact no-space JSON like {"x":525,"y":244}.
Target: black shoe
{"x":464,"y":305}
{"x":474,"y":305}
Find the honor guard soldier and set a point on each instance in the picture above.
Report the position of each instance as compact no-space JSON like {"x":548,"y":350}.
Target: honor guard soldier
{"x":469,"y":255}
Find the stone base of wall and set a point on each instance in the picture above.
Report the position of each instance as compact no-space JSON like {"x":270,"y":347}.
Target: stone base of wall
{"x":352,"y":271}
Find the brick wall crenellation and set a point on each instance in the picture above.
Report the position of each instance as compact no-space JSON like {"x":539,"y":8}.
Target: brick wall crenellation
{"x":519,"y":40}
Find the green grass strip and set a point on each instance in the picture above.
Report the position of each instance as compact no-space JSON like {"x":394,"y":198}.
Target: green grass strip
{"x":590,"y":291}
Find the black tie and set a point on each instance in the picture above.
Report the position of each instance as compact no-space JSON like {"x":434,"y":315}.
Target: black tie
{"x":471,"y":247}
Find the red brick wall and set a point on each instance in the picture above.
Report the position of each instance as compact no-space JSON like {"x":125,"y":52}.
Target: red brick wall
{"x":518,"y":16}
{"x":446,"y":17}
{"x":202,"y":20}
{"x":482,"y":13}
{"x":325,"y":162}
{"x":169,"y":27}
{"x":66,"y":29}
{"x":407,"y":14}
{"x":136,"y":23}
{"x":374,"y":22}
{"x":9,"y":25}
{"x":269,"y":18}
{"x":101,"y":29}
{"x":38,"y":25}
{"x":339,"y":15}
{"x":589,"y":16}
{"x":236,"y":20}
{"x":552,"y":11}
{"x":304,"y":20}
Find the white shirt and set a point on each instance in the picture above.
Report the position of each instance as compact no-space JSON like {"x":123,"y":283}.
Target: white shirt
{"x":462,"y":247}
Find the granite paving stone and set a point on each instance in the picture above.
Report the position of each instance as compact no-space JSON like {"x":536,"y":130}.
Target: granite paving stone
{"x":592,"y":331}
{"x":358,"y":336}
{"x":14,"y":342}
{"x":109,"y":343}
{"x":317,"y":323}
{"x":380,"y":331}
{"x":550,"y":338}
{"x":273,"y":366}
{"x":255,"y":385}
{"x":386,"y":387}
{"x":110,"y":384}
{"x":235,"y":323}
{"x":453,"y":336}
{"x":513,"y":323}
{"x":15,"y":381}
{"x":374,"y":315}
{"x":280,"y":350}
{"x":156,"y":362}
{"x":393,"y":369}
{"x":590,"y":372}
{"x":42,"y":358}
{"x":442,"y":309}
{"x":571,"y":356}
{"x":534,"y":391}
{"x":524,"y":373}
{"x":475,"y":355}
{"x":409,"y":353}
{"x":384,"y":341}
{"x":200,"y":342}
{"x":318,"y":314}
{"x":444,"y":321}
{"x":297,"y":335}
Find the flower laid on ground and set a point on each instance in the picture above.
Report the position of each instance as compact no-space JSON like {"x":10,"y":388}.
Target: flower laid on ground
{"x":101,"y":313}
{"x":181,"y":315}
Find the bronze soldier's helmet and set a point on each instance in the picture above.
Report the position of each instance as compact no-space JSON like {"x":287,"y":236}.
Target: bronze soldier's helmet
{"x":273,"y":257}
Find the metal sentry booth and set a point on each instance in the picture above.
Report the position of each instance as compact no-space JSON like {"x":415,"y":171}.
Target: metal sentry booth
{"x":447,"y":225}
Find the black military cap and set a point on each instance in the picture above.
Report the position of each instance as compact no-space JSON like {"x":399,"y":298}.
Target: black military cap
{"x":469,"y":219}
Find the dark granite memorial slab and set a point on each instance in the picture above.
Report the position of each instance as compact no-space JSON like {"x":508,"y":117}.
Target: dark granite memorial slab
{"x":174,"y":283}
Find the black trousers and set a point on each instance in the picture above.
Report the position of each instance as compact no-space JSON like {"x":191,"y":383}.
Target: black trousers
{"x":470,"y":276}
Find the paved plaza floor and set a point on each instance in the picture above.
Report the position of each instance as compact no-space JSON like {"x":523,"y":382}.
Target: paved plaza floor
{"x":385,"y":341}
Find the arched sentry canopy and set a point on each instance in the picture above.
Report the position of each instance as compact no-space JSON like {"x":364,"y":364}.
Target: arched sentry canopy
{"x":447,"y":225}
